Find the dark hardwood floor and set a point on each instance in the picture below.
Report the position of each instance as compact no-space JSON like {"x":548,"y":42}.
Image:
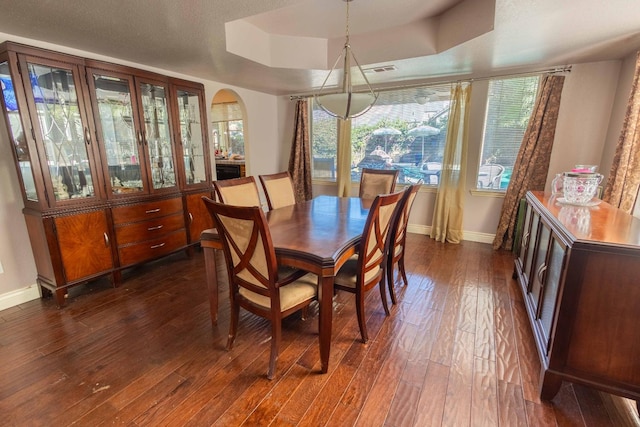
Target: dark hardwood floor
{"x":456,"y":351}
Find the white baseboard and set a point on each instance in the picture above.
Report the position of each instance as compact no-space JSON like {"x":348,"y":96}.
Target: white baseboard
{"x":20,"y":296}
{"x":472,"y":236}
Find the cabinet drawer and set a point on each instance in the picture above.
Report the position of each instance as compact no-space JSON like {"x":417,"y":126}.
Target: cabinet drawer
{"x":150,"y":249}
{"x":145,"y":211}
{"x":147,"y":230}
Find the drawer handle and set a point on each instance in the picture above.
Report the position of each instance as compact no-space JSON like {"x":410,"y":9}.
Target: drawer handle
{"x":87,"y":136}
{"x":139,"y":138}
{"x":190,"y":218}
{"x":541,"y":270}
{"x":525,"y":239}
{"x":157,"y":227}
{"x":106,"y":239}
{"x":150,"y":211}
{"x":157,"y":246}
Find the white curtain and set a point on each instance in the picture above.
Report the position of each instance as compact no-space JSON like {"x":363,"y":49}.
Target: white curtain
{"x":448,"y":210}
{"x":344,"y":158}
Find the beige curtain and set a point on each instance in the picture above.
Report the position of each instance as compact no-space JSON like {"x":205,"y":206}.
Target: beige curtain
{"x":344,"y":158}
{"x":532,"y":164}
{"x":624,"y":177}
{"x":300,"y":157}
{"x":448,"y":210}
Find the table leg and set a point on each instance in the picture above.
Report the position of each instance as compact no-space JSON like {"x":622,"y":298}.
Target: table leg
{"x":212,"y":282}
{"x":325,"y":299}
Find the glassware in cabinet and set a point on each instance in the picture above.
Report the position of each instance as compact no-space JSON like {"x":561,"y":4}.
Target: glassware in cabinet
{"x":117,"y":122}
{"x":156,"y":135}
{"x":61,"y":129}
{"x":192,"y":142}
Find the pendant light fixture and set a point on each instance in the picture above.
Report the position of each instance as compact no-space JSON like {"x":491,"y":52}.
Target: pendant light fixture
{"x":346,"y":104}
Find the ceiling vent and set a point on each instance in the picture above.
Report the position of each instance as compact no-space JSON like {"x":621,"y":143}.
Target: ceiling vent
{"x":380,"y":69}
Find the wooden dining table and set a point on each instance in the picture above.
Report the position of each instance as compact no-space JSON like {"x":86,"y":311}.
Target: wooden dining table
{"x":318,"y":235}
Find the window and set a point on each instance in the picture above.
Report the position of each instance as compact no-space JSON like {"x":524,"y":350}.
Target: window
{"x":324,"y":143}
{"x":227,"y":123}
{"x":405,"y":130}
{"x":509,"y":106}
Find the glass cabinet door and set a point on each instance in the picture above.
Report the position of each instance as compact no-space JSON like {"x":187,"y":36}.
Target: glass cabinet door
{"x":20,"y":146}
{"x":157,"y":135}
{"x":62,"y":129}
{"x":192,"y":137}
{"x":116,"y":121}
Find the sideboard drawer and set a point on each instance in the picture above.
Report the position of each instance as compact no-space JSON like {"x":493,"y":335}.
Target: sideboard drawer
{"x":150,"y":249}
{"x":147,"y":230}
{"x":145,"y":211}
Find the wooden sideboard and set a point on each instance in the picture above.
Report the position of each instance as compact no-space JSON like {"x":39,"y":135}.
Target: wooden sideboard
{"x":579,"y":271}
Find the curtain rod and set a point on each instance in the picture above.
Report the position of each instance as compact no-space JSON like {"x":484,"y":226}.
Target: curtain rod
{"x":556,"y":70}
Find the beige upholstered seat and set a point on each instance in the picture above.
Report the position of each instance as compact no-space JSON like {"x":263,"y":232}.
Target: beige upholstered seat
{"x":254,"y":280}
{"x":398,"y":237}
{"x":278,"y":188}
{"x":364,"y":271}
{"x":238,"y":191}
{"x":377,"y":181}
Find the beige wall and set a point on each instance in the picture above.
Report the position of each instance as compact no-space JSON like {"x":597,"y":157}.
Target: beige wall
{"x":585,"y":112}
{"x":593,"y":93}
{"x":17,"y":282}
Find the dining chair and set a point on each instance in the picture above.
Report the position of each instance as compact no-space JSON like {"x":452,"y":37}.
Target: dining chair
{"x":278,"y":188}
{"x":398,"y":238}
{"x":238,"y":191}
{"x":363,"y":271}
{"x":255,"y":283}
{"x":377,"y":181}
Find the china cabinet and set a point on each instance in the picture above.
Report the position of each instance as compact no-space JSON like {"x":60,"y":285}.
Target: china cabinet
{"x":578,"y":270}
{"x":110,"y":161}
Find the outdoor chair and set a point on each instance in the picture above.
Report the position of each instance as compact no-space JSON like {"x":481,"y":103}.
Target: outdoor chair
{"x":489,"y":176}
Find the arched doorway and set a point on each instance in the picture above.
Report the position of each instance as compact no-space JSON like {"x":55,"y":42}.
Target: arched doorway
{"x":227,"y":124}
{"x":228,"y":135}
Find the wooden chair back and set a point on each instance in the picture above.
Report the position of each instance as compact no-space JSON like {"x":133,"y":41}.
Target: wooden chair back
{"x":373,"y":246}
{"x":398,"y":237}
{"x":359,"y":275}
{"x":377,"y":181}
{"x":238,"y":191}
{"x":278,"y":188}
{"x":249,"y":252}
{"x":254,"y":277}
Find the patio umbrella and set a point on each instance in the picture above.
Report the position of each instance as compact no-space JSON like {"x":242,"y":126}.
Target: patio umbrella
{"x":423,"y":131}
{"x":386,"y":132}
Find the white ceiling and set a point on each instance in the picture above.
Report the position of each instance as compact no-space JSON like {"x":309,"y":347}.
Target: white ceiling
{"x":293,"y":42}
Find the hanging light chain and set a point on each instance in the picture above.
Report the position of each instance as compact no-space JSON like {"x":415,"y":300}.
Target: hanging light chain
{"x":347,"y":26}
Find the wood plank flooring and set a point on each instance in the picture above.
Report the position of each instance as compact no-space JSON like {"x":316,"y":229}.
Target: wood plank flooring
{"x":456,"y":351}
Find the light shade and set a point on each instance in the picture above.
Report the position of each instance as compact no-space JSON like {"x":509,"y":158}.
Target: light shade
{"x":346,"y":104}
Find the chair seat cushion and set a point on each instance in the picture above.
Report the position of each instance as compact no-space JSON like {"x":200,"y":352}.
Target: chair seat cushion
{"x":348,"y":273}
{"x":303,"y":289}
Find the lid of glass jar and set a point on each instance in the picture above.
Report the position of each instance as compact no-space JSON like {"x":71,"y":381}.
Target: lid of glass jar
{"x":580,"y":174}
